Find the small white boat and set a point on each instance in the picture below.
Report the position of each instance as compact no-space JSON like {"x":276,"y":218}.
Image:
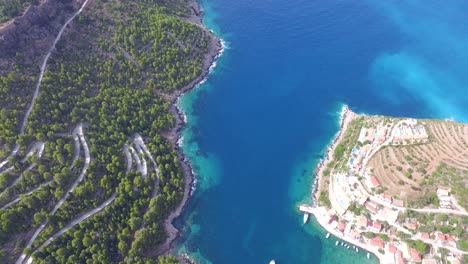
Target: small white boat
{"x":272,"y":261}
{"x":368,"y":255}
{"x":357,"y":250}
{"x":328,"y":235}
{"x":347,"y":246}
{"x":306,"y":217}
{"x":336,"y":244}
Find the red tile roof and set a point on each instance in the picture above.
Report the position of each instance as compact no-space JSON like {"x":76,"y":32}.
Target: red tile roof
{"x":377,"y":226}
{"x":370,"y":207}
{"x":392,"y":249}
{"x":341,"y":226}
{"x":387,"y":197}
{"x":441,"y":236}
{"x":425,"y":235}
{"x":378,"y":242}
{"x":451,"y":239}
{"x":412,"y":226}
{"x":399,"y":258}
{"x":415,"y":255}
{"x":375,"y":181}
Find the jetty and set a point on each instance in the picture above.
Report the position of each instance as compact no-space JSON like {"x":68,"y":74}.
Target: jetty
{"x":306,"y":209}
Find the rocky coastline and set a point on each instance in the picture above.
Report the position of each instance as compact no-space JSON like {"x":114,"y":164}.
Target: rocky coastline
{"x":346,"y":116}
{"x":174,"y":136}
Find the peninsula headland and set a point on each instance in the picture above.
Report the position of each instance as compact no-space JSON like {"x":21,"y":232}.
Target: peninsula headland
{"x":395,"y":187}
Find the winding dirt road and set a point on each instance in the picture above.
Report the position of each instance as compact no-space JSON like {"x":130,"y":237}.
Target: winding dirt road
{"x":79,"y":132}
{"x":26,"y":194}
{"x":75,"y":222}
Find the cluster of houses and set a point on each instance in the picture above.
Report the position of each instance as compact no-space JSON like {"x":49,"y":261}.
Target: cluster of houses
{"x":346,"y":189}
{"x":400,"y":251}
{"x":438,"y":237}
{"x":357,"y":156}
{"x":373,"y":135}
{"x":403,"y":253}
{"x":409,"y":131}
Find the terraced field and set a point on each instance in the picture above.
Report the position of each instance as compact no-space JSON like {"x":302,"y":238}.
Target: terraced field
{"x":414,"y":170}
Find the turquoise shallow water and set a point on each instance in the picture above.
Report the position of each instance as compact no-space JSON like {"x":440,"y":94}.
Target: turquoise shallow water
{"x":258,"y":126}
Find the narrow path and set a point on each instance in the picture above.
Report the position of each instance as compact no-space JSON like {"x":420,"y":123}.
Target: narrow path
{"x":76,"y":154}
{"x":26,"y":194}
{"x":138,"y":155}
{"x":44,"y":66}
{"x":440,"y":211}
{"x":140,"y":167}
{"x":77,"y":131}
{"x":75,"y":222}
{"x":144,"y":167}
{"x":13,"y":152}
{"x":141,"y":144}
{"x":35,"y":147}
{"x":30,"y":167}
{"x":39,"y":81}
{"x":128,"y":157}
{"x":7,"y":170}
{"x":456,"y":204}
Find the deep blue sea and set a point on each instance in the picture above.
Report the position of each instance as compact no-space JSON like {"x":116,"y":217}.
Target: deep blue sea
{"x":258,"y":126}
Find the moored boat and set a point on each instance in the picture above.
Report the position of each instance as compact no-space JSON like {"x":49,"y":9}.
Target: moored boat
{"x":336,"y":244}
{"x":272,"y":261}
{"x":306,"y":217}
{"x":368,"y":255}
{"x":357,"y":250}
{"x":328,"y":235}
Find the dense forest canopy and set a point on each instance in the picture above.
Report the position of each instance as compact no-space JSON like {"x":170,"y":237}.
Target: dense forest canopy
{"x":109,"y":80}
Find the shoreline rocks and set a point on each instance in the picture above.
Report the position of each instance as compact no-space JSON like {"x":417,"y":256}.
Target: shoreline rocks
{"x":345,"y":114}
{"x":175,"y":137}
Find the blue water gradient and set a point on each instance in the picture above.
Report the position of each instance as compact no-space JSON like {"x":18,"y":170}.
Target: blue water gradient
{"x":258,"y":126}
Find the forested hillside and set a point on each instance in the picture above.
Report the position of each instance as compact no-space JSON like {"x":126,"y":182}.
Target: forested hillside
{"x":92,"y":179}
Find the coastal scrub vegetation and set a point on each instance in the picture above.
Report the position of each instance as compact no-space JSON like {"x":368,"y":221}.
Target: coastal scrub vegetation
{"x":116,"y":72}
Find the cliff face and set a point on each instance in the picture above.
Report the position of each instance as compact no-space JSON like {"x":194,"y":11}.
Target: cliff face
{"x":33,"y":33}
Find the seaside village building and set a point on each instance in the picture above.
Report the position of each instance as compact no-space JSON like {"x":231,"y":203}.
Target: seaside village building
{"x":338,"y":198}
{"x":346,"y":188}
{"x":445,"y":200}
{"x":372,"y":135}
{"x":408,"y":130}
